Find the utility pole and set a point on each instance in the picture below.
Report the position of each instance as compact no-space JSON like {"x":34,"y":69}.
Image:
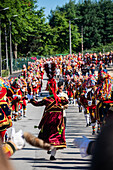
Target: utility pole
{"x":70,"y":48}
{"x":6,"y":49}
{"x":11,"y":56}
{"x":11,"y":68}
{"x":70,"y":45}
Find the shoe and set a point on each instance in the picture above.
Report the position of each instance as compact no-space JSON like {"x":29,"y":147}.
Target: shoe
{"x":52,"y":158}
{"x":80,"y":110}
{"x":24,"y":116}
{"x":98,"y":131}
{"x":49,"y":152}
{"x":15,"y":118}
{"x":93,"y":133}
{"x":87,"y":125}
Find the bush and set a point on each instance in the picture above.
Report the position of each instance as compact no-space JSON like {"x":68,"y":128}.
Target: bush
{"x":103,"y":48}
{"x":5,"y":73}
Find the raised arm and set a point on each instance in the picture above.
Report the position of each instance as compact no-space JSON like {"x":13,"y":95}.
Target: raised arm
{"x":38,"y":103}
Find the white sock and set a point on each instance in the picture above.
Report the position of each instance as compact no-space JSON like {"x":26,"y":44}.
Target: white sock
{"x":87,"y":118}
{"x":74,"y":102}
{"x":53,"y":152}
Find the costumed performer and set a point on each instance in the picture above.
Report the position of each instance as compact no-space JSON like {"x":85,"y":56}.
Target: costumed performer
{"x":5,"y":114}
{"x":52,"y":128}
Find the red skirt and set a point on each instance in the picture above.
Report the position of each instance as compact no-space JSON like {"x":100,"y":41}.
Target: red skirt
{"x":53,"y":130}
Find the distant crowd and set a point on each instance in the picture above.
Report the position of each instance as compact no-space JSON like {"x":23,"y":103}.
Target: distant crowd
{"x":85,"y":81}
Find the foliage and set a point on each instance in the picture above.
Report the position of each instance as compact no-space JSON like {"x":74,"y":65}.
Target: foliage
{"x":96,"y":18}
{"x":59,"y":22}
{"x":34,"y":35}
{"x":103,"y":48}
{"x":5,"y":73}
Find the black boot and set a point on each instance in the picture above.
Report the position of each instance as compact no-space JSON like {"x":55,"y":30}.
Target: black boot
{"x":93,"y":133}
{"x":52,"y":158}
{"x":49,"y":152}
{"x":87,"y":125}
{"x":80,"y":110}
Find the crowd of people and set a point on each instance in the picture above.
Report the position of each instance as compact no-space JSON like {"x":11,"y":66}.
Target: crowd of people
{"x":72,"y":79}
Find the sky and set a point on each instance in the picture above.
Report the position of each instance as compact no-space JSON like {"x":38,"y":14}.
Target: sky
{"x":50,"y":4}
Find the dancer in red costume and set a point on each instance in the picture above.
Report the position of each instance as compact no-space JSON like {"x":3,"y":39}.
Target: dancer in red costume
{"x":52,"y":124}
{"x":16,"y":98}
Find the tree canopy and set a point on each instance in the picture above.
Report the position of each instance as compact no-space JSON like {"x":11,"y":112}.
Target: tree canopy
{"x":36,"y":35}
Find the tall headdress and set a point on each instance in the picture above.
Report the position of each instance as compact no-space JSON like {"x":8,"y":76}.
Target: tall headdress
{"x":50,"y":68}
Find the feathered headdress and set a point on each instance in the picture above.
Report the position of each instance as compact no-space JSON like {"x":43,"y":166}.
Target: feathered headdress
{"x":50,"y":68}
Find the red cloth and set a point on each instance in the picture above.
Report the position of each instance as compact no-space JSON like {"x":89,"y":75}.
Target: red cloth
{"x":35,"y":89}
{"x":91,"y":107}
{"x":108,"y":101}
{"x":69,"y":93}
{"x":52,"y":86}
{"x":16,"y":101}
{"x":52,"y":125}
{"x":2,"y":133}
{"x":84,"y":101}
{"x":42,"y":73}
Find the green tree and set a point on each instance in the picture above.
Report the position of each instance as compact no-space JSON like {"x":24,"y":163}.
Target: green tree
{"x":106,"y":7}
{"x":60,"y":25}
{"x":27,"y":27}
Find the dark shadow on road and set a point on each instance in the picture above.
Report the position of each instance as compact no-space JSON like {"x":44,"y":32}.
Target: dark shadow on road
{"x":60,"y":167}
{"x":75,"y":159}
{"x":71,"y":153}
